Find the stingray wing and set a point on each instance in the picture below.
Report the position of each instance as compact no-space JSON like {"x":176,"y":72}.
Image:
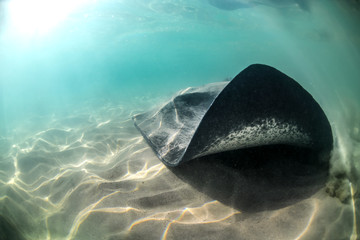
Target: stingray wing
{"x":260,"y":106}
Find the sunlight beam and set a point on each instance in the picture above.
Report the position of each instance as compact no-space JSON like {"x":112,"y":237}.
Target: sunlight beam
{"x":39,"y":16}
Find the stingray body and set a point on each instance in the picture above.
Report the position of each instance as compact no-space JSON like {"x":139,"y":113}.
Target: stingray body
{"x":261,"y":106}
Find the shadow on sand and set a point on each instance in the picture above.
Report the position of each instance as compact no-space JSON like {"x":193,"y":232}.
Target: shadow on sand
{"x":8,"y":231}
{"x":259,"y":178}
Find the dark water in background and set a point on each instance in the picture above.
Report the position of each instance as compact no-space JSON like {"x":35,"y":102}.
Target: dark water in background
{"x":57,"y":58}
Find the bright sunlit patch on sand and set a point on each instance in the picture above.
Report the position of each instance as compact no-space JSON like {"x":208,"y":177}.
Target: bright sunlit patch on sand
{"x":39,"y":16}
{"x":210,"y":212}
{"x":11,"y":181}
{"x":354,"y":235}
{"x":145,"y":173}
{"x":311,"y":218}
{"x":103,"y":123}
{"x":83,"y":215}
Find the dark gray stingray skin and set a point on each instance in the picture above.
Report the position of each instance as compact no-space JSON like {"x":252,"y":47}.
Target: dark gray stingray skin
{"x":260,"y":106}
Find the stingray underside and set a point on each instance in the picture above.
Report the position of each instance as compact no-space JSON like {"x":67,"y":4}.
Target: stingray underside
{"x":261,"y":106}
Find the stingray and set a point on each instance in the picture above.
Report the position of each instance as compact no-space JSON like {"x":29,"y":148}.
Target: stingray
{"x":261,"y":106}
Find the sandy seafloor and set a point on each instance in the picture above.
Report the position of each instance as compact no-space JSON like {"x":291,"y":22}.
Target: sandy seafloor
{"x":91,"y":175}
{"x":73,"y":166}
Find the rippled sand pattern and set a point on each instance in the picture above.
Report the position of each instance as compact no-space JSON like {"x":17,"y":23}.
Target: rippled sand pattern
{"x":90,"y":175}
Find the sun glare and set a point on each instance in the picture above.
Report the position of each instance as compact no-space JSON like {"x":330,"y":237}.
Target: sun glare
{"x":39,"y":16}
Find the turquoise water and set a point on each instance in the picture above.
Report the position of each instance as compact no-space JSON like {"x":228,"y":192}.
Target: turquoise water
{"x":72,"y":73}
